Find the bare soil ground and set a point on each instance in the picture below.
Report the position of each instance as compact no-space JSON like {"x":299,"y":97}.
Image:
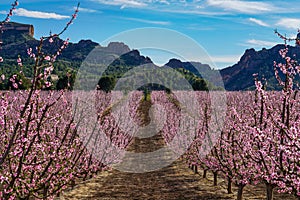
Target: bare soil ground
{"x":176,"y":182}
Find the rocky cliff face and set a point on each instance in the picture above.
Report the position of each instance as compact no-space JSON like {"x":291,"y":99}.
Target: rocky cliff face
{"x":175,"y":64}
{"x":197,"y":68}
{"x":18,"y":27}
{"x":118,"y":48}
{"x":240,"y":75}
{"x":16,"y":33}
{"x":132,"y":58}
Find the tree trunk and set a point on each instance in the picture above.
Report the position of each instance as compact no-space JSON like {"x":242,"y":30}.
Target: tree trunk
{"x":45,"y":192}
{"x":85,"y":176}
{"x":240,"y":191}
{"x":205,"y":173}
{"x":215,"y":178}
{"x":73,"y":183}
{"x":196,"y":169}
{"x":229,"y":186}
{"x":269,"y":188}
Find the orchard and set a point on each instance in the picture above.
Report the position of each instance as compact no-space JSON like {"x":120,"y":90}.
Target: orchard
{"x":43,"y":152}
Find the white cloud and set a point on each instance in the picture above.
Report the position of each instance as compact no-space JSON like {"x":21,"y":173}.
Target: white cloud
{"x":258,"y":22}
{"x":87,"y":10}
{"x":193,"y":12}
{"x":122,"y":3}
{"x":250,"y":7}
{"x":198,"y":27}
{"x":289,"y":23}
{"x":293,"y":35}
{"x":147,"y":21}
{"x":163,"y":2}
{"x":207,"y":7}
{"x":197,"y":7}
{"x":260,"y":43}
{"x":38,"y":14}
{"x":226,"y":58}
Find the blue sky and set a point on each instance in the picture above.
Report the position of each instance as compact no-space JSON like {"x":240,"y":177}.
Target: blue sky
{"x":224,"y":28}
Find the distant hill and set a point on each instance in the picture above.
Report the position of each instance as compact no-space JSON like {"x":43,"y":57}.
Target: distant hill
{"x":17,"y":38}
{"x":16,"y":33}
{"x":124,"y":59}
{"x":240,"y":75}
{"x":128,"y":61}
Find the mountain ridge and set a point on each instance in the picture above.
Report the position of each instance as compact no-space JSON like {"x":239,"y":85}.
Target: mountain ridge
{"x":235,"y":77}
{"x":240,"y":75}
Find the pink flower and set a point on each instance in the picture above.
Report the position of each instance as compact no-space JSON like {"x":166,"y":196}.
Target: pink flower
{"x":19,"y":60}
{"x":298,"y":69}
{"x":3,"y":77}
{"x":47,"y":58}
{"x":47,"y":84}
{"x":1,"y":59}
{"x":15,"y":85}
{"x":29,"y":51}
{"x":66,"y":42}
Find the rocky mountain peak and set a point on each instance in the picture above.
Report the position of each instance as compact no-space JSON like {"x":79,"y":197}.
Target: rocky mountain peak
{"x":118,"y":48}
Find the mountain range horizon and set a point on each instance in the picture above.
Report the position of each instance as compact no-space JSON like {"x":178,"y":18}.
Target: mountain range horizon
{"x":235,"y":77}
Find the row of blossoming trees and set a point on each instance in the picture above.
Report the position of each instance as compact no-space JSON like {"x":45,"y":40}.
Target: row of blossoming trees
{"x":260,"y":141}
{"x":41,"y":152}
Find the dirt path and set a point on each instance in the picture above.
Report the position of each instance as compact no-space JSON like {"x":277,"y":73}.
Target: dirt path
{"x":173,"y":182}
{"x":176,"y":182}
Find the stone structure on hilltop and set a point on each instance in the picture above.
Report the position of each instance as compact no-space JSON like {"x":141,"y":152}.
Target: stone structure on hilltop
{"x":29,"y":29}
{"x":15,"y":30}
